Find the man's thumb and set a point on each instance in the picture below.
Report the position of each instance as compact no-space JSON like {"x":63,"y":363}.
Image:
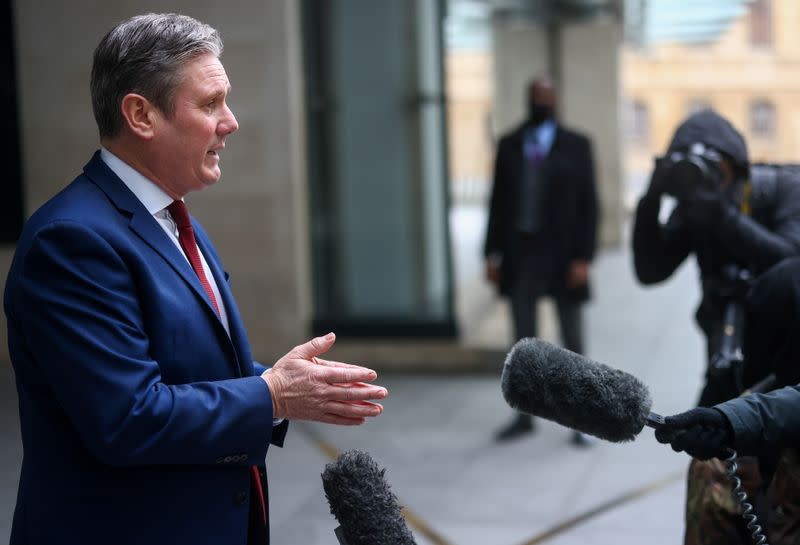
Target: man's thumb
{"x":316,"y":346}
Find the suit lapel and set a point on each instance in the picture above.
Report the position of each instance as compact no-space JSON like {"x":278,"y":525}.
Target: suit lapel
{"x":235,"y":325}
{"x":146,"y":227}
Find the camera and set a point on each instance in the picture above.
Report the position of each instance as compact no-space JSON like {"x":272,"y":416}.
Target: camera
{"x":687,"y":170}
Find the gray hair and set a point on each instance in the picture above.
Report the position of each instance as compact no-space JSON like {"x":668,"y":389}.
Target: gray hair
{"x":146,"y":55}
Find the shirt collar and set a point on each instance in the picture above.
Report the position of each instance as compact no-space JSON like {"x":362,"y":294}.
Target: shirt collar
{"x":547,"y":130}
{"x":151,"y":196}
{"x":541,"y":137}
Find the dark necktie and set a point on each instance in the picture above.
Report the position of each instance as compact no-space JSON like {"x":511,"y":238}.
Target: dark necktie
{"x":180,"y":214}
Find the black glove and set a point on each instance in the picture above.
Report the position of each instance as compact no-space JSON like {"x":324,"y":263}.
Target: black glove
{"x":702,"y":433}
{"x":706,"y":208}
{"x":659,"y":180}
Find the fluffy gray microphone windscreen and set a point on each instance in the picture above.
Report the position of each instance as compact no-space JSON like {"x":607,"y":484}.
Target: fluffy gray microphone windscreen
{"x":545,"y":380}
{"x":362,"y":502}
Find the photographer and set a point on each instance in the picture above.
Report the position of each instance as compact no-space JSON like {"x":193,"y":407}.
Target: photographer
{"x":738,"y":222}
{"x":728,"y":220}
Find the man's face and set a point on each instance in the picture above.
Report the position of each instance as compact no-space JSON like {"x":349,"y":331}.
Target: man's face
{"x":728,"y":176}
{"x":542,"y":92}
{"x":541,"y":101}
{"x":187,"y":145}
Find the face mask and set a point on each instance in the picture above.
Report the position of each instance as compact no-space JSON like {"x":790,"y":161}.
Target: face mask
{"x":537,"y":113}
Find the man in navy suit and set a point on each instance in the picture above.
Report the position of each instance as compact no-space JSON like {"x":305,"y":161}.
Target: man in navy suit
{"x":144,"y":417}
{"x":541,"y":233}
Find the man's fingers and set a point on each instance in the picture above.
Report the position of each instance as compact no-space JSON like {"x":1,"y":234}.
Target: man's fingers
{"x":339,"y":364}
{"x":700,"y":416}
{"x":350,"y":384}
{"x":667,"y":434}
{"x":315,"y":347}
{"x":353,"y":409}
{"x":344,"y":375}
{"x":357,"y":393}
{"x":340,"y":420}
{"x":680,"y":421}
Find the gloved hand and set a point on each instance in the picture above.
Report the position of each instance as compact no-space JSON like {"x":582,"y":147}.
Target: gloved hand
{"x":706,"y":208}
{"x":658,"y":180}
{"x":702,"y":433}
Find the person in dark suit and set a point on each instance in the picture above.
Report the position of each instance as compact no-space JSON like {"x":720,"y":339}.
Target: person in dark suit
{"x":144,"y":418}
{"x":541,"y":233}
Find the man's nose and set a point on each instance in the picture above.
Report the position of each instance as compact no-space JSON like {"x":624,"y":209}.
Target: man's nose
{"x":228,"y":124}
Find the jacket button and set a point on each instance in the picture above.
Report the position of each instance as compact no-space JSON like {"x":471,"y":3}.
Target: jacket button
{"x":241,"y":498}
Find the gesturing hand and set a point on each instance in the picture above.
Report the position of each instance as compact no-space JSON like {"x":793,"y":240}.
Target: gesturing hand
{"x":702,"y":433}
{"x":304,"y":387}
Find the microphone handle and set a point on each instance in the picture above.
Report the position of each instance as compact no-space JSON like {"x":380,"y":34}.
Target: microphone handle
{"x":654,"y":420}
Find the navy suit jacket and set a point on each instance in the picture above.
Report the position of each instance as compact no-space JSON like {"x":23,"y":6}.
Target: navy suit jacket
{"x":140,"y":415}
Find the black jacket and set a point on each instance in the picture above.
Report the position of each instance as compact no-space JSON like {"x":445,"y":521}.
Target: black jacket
{"x":756,"y":242}
{"x":771,"y":341}
{"x":571,"y":209}
{"x":763,"y":424}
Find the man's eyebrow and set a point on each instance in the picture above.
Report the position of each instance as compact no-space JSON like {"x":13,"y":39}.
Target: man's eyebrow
{"x":219,"y":91}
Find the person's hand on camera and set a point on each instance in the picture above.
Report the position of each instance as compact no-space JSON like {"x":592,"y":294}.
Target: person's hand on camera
{"x":702,"y":433}
{"x":304,"y":387}
{"x":706,"y":208}
{"x":659,"y":180}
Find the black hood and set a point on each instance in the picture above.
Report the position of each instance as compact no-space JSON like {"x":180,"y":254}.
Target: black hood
{"x":715,"y":131}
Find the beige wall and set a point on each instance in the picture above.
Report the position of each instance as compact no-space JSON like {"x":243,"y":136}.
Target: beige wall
{"x":256,"y":213}
{"x":729,"y":74}
{"x":590,"y":103}
{"x":469,"y":87}
{"x":519,"y":53}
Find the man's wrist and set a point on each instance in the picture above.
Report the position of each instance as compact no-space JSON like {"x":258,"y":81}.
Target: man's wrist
{"x":272,"y":389}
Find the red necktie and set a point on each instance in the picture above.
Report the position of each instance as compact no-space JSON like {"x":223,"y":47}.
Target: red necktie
{"x":180,"y":214}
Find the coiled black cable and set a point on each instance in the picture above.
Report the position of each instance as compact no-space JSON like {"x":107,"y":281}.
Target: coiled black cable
{"x":739,"y":494}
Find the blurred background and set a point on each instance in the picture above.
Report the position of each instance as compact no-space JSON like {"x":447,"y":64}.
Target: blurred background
{"x":354,"y":195}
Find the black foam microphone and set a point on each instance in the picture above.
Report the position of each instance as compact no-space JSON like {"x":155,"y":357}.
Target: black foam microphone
{"x":545,"y":380}
{"x":363,"y":503}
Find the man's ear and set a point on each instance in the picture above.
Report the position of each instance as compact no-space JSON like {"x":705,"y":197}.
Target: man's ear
{"x":140,"y":115}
